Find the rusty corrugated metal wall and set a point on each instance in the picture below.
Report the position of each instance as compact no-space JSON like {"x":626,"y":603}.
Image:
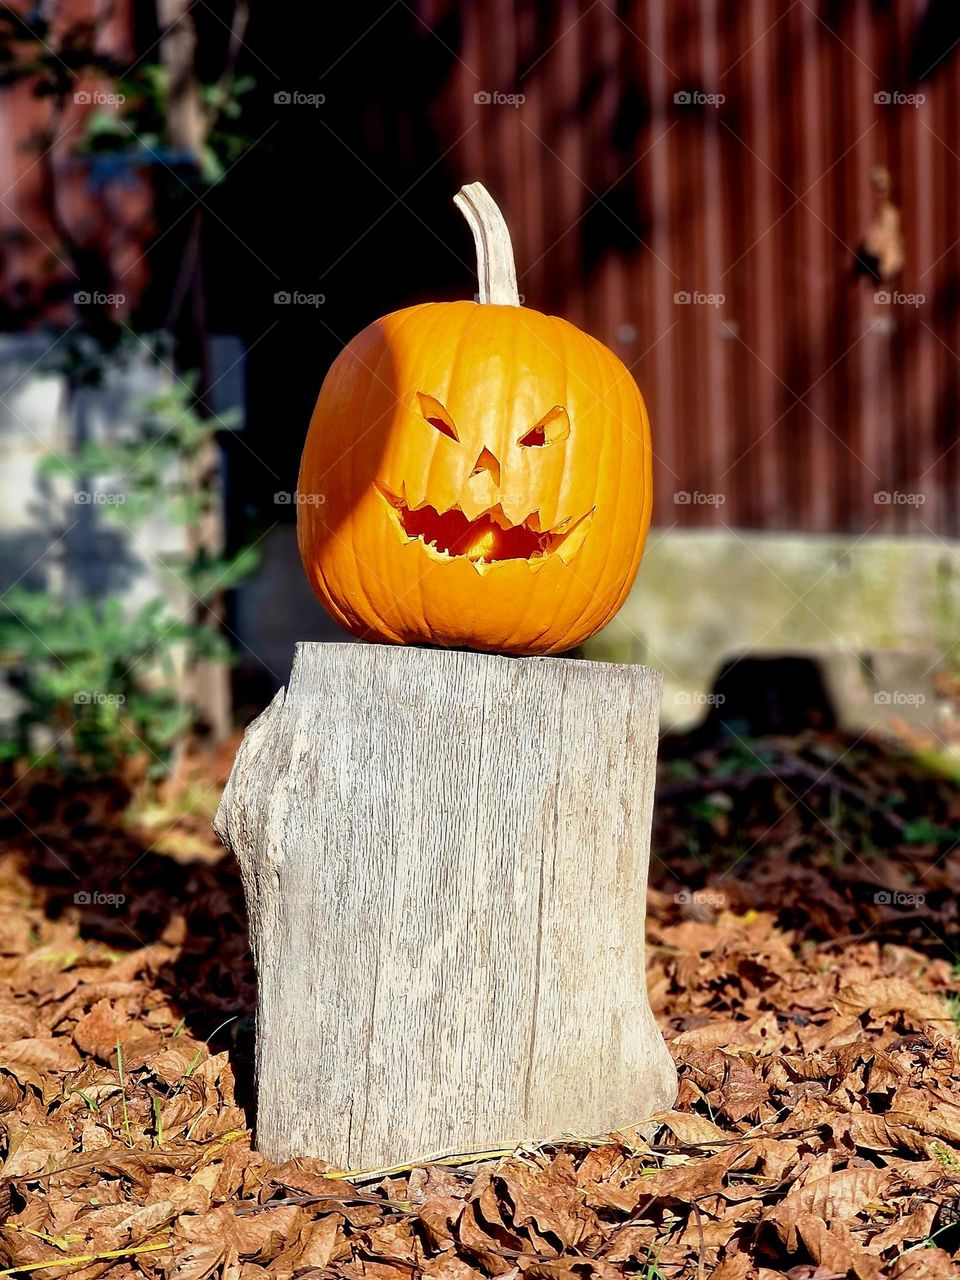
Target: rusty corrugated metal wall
{"x":712,"y":148}
{"x":665,"y":148}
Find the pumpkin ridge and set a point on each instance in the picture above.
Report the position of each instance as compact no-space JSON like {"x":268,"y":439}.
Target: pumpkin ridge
{"x":356,"y":558}
{"x":533,"y":602}
{"x":392,"y":338}
{"x":564,"y":484}
{"x":624,"y":382}
{"x":455,"y":355}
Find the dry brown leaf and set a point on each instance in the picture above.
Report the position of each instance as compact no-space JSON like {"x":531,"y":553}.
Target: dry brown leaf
{"x":439,"y":1217}
{"x":37,"y":1061}
{"x":257,"y":1236}
{"x":834,"y":1250}
{"x":916,"y":1225}
{"x":393,"y":1240}
{"x":894,"y":995}
{"x":447,"y":1266}
{"x":547,"y":1205}
{"x":692,"y":1129}
{"x":318,"y":1244}
{"x":33,"y":1148}
{"x":737,"y":1266}
{"x":631,"y":1244}
{"x":925,"y":1264}
{"x":742,"y":1094}
{"x":482,"y":1232}
{"x":98,"y":1031}
{"x":174,"y":1061}
{"x":837,"y":1196}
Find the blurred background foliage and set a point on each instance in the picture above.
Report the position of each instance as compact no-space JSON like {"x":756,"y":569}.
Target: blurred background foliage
{"x":100,"y":682}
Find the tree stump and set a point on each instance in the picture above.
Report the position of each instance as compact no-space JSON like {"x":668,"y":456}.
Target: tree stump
{"x":444,"y":856}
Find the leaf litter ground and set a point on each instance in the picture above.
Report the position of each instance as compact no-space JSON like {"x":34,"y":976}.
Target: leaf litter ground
{"x":802,"y":963}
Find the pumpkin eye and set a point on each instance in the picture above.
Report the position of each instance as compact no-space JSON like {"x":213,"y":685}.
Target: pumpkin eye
{"x":434,"y":412}
{"x":552,"y":427}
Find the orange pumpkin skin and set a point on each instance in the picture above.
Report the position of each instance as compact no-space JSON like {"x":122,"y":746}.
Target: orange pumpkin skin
{"x":411,"y":536}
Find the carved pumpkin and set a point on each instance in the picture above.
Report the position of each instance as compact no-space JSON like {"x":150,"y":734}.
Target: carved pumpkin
{"x":475,"y":474}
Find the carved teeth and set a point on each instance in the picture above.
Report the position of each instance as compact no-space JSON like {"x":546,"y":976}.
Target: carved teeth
{"x":527,"y":542}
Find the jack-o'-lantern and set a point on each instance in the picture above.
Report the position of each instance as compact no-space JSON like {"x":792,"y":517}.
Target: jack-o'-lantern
{"x":476,"y":474}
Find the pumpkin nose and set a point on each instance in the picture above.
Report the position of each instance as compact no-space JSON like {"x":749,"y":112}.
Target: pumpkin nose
{"x":486,"y":464}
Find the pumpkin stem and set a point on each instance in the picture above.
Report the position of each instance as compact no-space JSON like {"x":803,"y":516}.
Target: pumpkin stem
{"x":496,"y":272}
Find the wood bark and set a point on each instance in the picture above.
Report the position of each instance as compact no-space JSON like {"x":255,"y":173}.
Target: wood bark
{"x":445,"y":861}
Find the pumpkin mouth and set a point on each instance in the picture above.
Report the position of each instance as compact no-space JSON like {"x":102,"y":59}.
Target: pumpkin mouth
{"x":488,"y":539}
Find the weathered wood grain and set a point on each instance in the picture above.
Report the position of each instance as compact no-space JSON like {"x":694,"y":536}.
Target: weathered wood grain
{"x":445,"y":861}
